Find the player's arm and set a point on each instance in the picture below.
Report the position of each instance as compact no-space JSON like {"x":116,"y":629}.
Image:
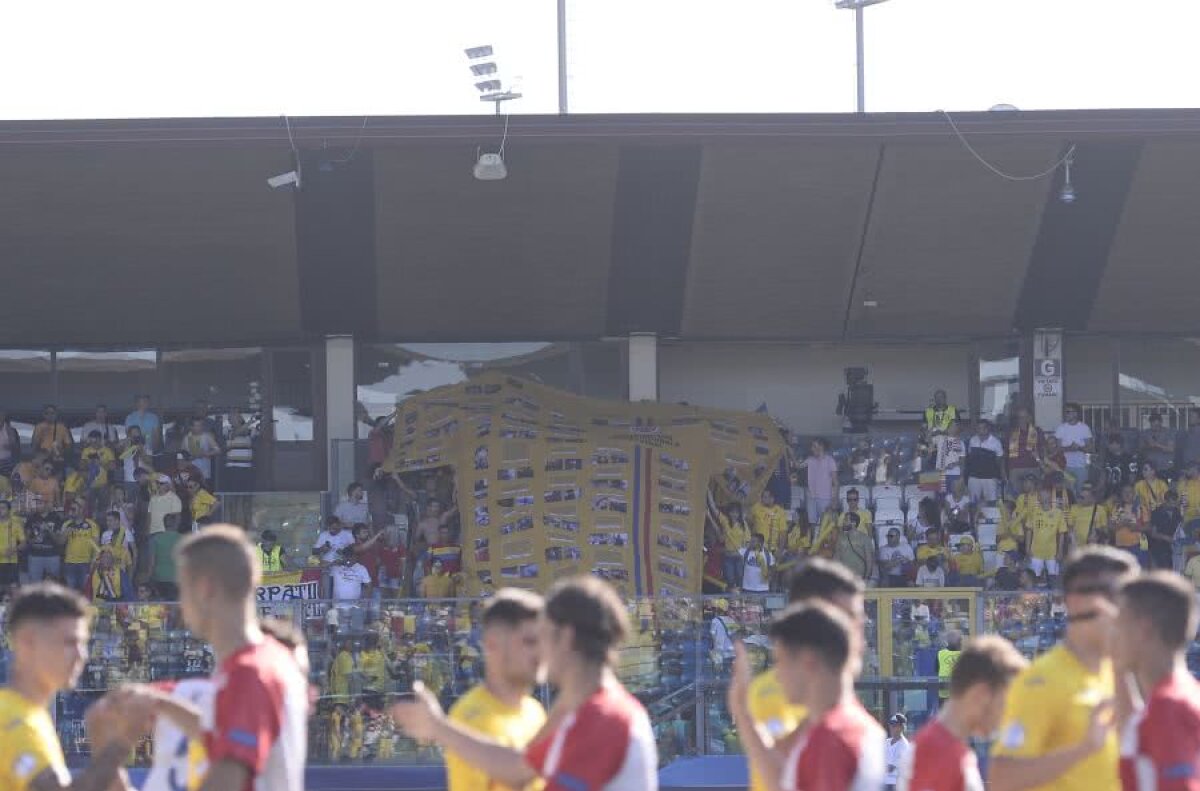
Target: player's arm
{"x":422,"y":718}
{"x":224,"y":775}
{"x":765,"y":760}
{"x":1014,"y":768}
{"x":101,"y":774}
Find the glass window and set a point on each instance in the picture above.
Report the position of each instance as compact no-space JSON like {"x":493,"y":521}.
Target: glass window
{"x":292,"y":395}
{"x":999,"y":379}
{"x":86,"y":379}
{"x":26,"y":385}
{"x":1087,"y":378}
{"x":1159,"y":376}
{"x":386,"y":374}
{"x":226,"y":378}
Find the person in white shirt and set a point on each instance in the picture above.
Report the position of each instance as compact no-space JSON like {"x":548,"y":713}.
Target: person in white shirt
{"x":757,"y":563}
{"x":931,"y":574}
{"x":894,"y":750}
{"x":1076,"y":440}
{"x":721,"y":631}
{"x":332,"y":540}
{"x":951,"y":452}
{"x":353,"y":510}
{"x":985,"y":468}
{"x":351,"y":584}
{"x":110,"y":433}
{"x":894,"y":557}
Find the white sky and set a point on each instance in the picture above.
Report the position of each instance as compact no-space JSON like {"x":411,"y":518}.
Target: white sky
{"x":126,"y":58}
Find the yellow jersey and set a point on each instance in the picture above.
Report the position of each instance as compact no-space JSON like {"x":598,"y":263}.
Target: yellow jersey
{"x":771,"y":711}
{"x":1150,"y":494}
{"x":1189,"y":498}
{"x":514,"y":727}
{"x":772,"y":523}
{"x":103,"y":459}
{"x":1044,"y":529}
{"x":202,"y":504}
{"x":1048,"y":709}
{"x":28,"y":743}
{"x":12,"y":536}
{"x":83,"y":542}
{"x":735,"y":534}
{"x":1082,"y":521}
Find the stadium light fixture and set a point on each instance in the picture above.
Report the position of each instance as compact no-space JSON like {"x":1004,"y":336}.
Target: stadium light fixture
{"x":857,"y":7}
{"x":482,"y":62}
{"x":1067,"y":195}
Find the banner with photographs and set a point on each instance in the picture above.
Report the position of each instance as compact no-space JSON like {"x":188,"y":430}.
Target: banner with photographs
{"x":551,"y":484}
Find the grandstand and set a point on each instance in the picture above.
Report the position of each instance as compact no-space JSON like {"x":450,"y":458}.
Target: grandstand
{"x":726,"y":262}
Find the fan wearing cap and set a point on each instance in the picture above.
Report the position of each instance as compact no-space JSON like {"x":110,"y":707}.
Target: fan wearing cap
{"x":941,"y":758}
{"x":1057,"y":732}
{"x":895,"y":752}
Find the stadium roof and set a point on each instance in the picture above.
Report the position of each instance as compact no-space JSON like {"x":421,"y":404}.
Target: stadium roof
{"x":723,"y":227}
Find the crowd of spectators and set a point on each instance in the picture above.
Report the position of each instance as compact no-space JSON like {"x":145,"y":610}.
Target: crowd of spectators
{"x":100,"y":506}
{"x":978,"y":508}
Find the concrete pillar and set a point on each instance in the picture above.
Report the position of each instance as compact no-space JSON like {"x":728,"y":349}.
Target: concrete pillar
{"x":1047,"y":379}
{"x":339,"y":410}
{"x":643,"y":367}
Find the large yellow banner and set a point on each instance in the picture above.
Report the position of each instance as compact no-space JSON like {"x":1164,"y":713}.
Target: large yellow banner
{"x":551,"y":484}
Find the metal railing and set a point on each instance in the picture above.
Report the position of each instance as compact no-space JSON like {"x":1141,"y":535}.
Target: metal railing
{"x":676,"y":661}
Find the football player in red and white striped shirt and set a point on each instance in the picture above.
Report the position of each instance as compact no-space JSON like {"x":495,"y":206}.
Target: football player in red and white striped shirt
{"x":255,"y":721}
{"x":940,"y":758}
{"x":1160,"y":734}
{"x":597,"y":736}
{"x":840,"y":746}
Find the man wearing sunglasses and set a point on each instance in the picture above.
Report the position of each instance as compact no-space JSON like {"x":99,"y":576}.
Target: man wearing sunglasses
{"x":1057,"y":731}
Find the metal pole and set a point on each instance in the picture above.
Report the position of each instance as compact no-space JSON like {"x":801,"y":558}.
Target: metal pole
{"x":858,"y":43}
{"x":562,"y":57}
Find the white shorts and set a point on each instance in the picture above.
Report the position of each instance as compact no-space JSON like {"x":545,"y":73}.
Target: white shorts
{"x":1051,"y":566}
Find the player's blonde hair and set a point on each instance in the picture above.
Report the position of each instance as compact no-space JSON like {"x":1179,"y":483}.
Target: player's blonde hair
{"x":224,"y":554}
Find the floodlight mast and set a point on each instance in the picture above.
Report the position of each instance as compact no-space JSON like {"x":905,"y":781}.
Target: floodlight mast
{"x":857,"y":6}
{"x":490,"y":86}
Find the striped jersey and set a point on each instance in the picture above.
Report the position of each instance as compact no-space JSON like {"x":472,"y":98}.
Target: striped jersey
{"x":606,"y":744}
{"x":1160,"y":745}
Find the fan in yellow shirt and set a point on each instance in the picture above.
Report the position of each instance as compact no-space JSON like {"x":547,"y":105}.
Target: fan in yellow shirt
{"x":1009,"y":533}
{"x":769,"y":519}
{"x":42,"y":620}
{"x":1045,"y":530}
{"x":816,"y":579}
{"x":1189,"y":492}
{"x":1057,"y":729}
{"x":96,"y":460}
{"x":12,"y":538}
{"x":501,"y":708}
{"x":1087,"y":518}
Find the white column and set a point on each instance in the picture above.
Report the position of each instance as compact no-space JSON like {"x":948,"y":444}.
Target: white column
{"x":1047,"y":379}
{"x":339,"y":409}
{"x":643,"y":367}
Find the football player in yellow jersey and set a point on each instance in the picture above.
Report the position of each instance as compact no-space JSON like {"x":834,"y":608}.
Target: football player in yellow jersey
{"x":501,"y":707}
{"x":824,"y":580}
{"x":1057,"y":733}
{"x":48,"y":629}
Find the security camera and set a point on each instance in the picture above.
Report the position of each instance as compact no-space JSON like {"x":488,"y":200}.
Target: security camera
{"x":284,"y":179}
{"x":490,"y":167}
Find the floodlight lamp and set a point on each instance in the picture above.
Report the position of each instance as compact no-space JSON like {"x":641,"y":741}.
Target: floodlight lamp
{"x":483,"y":69}
{"x":488,"y":86}
{"x":1067,"y":194}
{"x":475,"y":53}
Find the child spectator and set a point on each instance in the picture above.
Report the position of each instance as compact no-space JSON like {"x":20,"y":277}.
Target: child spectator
{"x":1165,"y":521}
{"x":437,"y":584}
{"x":105,"y":579}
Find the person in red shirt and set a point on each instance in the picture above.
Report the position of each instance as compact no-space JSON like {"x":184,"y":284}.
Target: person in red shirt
{"x":941,"y":758}
{"x":1160,"y":734}
{"x":840,"y":747}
